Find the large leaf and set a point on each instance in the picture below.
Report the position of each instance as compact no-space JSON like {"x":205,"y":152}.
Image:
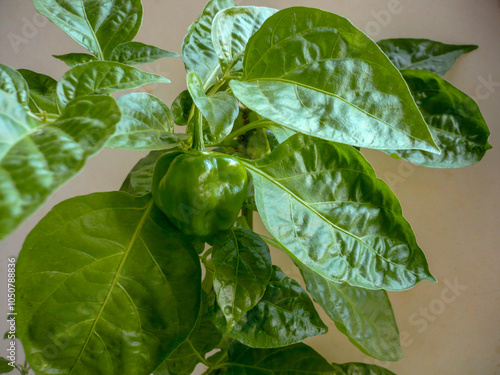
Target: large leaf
{"x":231,"y":30}
{"x":314,"y":72}
{"x":242,"y":269}
{"x":146,"y":124}
{"x":99,"y":26}
{"x":204,"y":337}
{"x":365,"y":316}
{"x":220,"y":110}
{"x":101,"y":77}
{"x":197,"y":49}
{"x":322,"y":201}
{"x":75,"y":59}
{"x":454,"y":119}
{"x":285,"y":315}
{"x":42,"y":91}
{"x":13,"y":83}
{"x":135,"y":53}
{"x":35,"y":161}
{"x":109,"y":284}
{"x":292,"y":360}
{"x":423,"y":54}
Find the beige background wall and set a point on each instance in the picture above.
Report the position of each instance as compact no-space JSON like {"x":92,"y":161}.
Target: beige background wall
{"x":455,"y":213}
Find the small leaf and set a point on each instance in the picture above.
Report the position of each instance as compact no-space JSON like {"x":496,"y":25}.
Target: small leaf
{"x":181,"y":108}
{"x":285,"y":315}
{"x":109,"y":284}
{"x":423,"y":54}
{"x":204,"y":337}
{"x":97,"y":26}
{"x":5,"y":367}
{"x":315,"y":73}
{"x":42,"y":91}
{"x":13,"y":83}
{"x":322,"y":201}
{"x":355,"y":368}
{"x":146,"y":124}
{"x":454,"y":120}
{"x":35,"y":161}
{"x":294,"y":359}
{"x":136,"y":53}
{"x":365,"y":316}
{"x":197,"y":50}
{"x":231,"y":30}
{"x":242,"y":269}
{"x":220,"y":110}
{"x":75,"y":59}
{"x":100,"y":77}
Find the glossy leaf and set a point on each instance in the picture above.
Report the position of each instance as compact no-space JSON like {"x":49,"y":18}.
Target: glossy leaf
{"x":322,"y":201}
{"x":294,"y":359}
{"x":75,"y":59}
{"x":204,"y":337}
{"x":135,"y":53}
{"x":197,"y":49}
{"x":242,"y":269}
{"x":315,"y":73}
{"x":97,"y":26}
{"x":181,"y":108}
{"x":35,"y":161}
{"x":220,"y":110}
{"x":138,"y":181}
{"x":101,"y":77}
{"x":365,"y":316}
{"x":285,"y":315}
{"x":146,"y":124}
{"x":454,"y":120}
{"x":109,"y":284}
{"x":4,"y":366}
{"x":13,"y":83}
{"x":355,"y":368}
{"x":407,"y":53}
{"x":231,"y":30}
{"x":42,"y":91}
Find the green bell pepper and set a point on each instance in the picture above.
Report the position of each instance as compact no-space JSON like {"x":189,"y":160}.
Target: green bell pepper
{"x":202,"y":192}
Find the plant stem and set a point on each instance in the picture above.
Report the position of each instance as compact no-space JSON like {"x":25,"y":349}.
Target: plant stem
{"x":198,"y":134}
{"x":248,"y":214}
{"x":202,"y":359}
{"x":253,"y":125}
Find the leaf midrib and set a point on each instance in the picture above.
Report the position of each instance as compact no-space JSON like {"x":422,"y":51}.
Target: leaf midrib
{"x":133,"y":239}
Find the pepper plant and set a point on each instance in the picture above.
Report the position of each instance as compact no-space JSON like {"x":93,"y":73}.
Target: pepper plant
{"x":167,"y":273}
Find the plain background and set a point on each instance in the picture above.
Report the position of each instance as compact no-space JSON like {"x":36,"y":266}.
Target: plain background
{"x":454,"y":213}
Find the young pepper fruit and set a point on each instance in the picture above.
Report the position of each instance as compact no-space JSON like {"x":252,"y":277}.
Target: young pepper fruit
{"x":202,"y":192}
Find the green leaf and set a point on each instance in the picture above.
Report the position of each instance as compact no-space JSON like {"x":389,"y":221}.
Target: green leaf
{"x":138,"y":181}
{"x":294,"y":359}
{"x":42,"y":91}
{"x":98,"y":26}
{"x":13,"y":83}
{"x":109,"y":284}
{"x":181,"y":108}
{"x":355,"y":368}
{"x":204,"y":337}
{"x":136,"y":53}
{"x":242,"y":269}
{"x":315,"y":73}
{"x":101,"y":77}
{"x":146,"y":124}
{"x":454,"y":120}
{"x":197,"y":49}
{"x":35,"y":161}
{"x":365,"y":316}
{"x":220,"y":110}
{"x":423,"y":54}
{"x":4,"y":366}
{"x":322,"y":201}
{"x":231,"y":30}
{"x":285,"y":315}
{"x":75,"y":59}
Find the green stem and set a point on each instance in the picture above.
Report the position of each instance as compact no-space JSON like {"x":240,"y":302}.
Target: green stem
{"x":253,"y":125}
{"x":198,"y":134}
{"x":248,"y":214}
{"x":201,"y":358}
